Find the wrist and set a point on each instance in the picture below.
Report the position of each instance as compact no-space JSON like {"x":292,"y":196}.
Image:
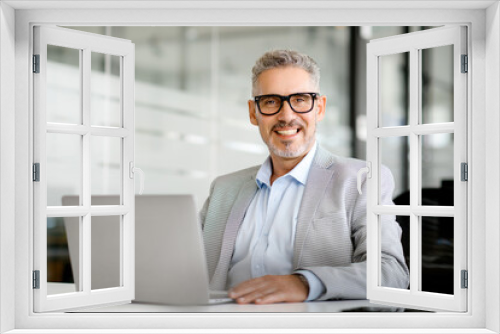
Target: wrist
{"x":304,"y":281}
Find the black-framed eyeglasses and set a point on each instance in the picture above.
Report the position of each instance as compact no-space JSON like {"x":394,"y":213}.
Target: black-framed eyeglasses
{"x":271,"y":104}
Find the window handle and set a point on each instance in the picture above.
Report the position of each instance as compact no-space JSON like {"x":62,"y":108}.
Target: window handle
{"x":132,"y":171}
{"x":368,"y":170}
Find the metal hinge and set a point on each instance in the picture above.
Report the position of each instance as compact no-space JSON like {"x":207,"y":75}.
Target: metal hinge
{"x":36,"y":63}
{"x":36,"y":279}
{"x":465,"y":64}
{"x":36,"y":172}
{"x":464,"y":171}
{"x":465,"y":279}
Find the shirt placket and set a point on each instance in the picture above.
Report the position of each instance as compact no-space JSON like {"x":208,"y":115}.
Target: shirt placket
{"x":259,"y":254}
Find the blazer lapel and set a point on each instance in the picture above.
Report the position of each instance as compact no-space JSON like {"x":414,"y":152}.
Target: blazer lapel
{"x":319,"y":177}
{"x":245,"y":196}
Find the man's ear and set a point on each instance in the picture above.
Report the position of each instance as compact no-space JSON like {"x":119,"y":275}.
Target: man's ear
{"x":321,"y":108}
{"x":252,"y":112}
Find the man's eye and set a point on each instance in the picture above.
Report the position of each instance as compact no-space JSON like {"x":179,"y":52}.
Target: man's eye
{"x":301,"y":99}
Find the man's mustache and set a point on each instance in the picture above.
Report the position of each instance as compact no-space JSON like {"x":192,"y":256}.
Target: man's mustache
{"x":283,"y":124}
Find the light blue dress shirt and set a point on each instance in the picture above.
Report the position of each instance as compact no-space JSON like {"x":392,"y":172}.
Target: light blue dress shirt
{"x":264,"y":245}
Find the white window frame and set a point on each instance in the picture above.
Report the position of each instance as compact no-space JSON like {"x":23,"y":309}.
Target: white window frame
{"x":413,"y":44}
{"x":484,"y":212}
{"x":85,"y":43}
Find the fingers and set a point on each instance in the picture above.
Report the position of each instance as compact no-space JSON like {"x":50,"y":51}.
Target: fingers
{"x":269,"y":289}
{"x":257,"y":297}
{"x":247,"y":287}
{"x":271,"y":298}
{"x":252,"y":290}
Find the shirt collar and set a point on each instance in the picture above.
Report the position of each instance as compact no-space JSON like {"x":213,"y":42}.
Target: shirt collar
{"x":299,"y":173}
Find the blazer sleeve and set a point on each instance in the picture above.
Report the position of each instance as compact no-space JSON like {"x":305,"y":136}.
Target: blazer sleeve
{"x":349,"y":282}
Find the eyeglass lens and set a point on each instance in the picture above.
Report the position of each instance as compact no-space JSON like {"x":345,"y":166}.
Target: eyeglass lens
{"x":299,"y":103}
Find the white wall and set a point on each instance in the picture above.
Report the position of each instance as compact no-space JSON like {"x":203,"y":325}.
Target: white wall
{"x":319,"y":321}
{"x":492,"y":162}
{"x":7,"y":186}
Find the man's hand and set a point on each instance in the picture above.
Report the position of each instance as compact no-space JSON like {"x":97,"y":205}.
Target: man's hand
{"x":270,"y":289}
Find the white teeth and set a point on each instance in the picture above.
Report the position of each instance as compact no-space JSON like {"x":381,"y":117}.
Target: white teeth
{"x":288,"y":132}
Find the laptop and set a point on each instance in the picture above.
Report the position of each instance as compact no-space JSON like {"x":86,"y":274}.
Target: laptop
{"x":170,"y":262}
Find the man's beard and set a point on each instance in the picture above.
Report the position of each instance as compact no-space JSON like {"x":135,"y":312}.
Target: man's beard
{"x":288,"y":152}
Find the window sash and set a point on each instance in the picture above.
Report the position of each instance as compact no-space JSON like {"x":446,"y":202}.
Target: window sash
{"x":85,"y":43}
{"x":413,"y":43}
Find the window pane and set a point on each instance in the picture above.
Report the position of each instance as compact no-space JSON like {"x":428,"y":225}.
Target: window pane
{"x":106,"y":249}
{"x":106,"y":167}
{"x":394,"y":89}
{"x":63,"y":252}
{"x":394,"y":153}
{"x":437,"y":169}
{"x":389,"y":239}
{"x":64,"y":167}
{"x":437,"y":254}
{"x":437,"y":84}
{"x":63,"y":85}
{"x":105,"y":90}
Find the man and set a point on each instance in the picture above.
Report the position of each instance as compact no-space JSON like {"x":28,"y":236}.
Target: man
{"x":294,"y":228}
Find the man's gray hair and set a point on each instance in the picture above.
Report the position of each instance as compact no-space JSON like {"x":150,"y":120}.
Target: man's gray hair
{"x":283,"y":58}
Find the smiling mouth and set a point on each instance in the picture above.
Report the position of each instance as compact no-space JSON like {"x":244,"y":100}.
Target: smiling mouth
{"x":287,"y":132}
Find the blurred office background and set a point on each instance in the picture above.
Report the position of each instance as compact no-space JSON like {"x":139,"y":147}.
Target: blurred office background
{"x":192,"y":87}
{"x":191,"y":91}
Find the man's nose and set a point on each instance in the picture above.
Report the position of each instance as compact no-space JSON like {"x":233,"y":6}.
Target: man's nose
{"x":286,"y":113}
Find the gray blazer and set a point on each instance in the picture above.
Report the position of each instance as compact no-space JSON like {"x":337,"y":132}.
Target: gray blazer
{"x":331,"y":236}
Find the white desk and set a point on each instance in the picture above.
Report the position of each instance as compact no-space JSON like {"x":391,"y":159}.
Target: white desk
{"x":319,"y":306}
{"x":314,"y":307}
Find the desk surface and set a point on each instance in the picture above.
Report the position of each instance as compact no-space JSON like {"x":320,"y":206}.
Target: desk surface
{"x":313,"y":307}
{"x":318,"y":306}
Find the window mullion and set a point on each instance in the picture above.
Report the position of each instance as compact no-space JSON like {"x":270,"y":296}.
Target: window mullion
{"x":128,"y":195}
{"x":460,"y":155}
{"x":415,"y":251}
{"x":85,"y":270}
{"x":405,"y":210}
{"x":40,"y":155}
{"x":413,"y":121}
{"x":85,"y":75}
{"x":415,"y":244}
